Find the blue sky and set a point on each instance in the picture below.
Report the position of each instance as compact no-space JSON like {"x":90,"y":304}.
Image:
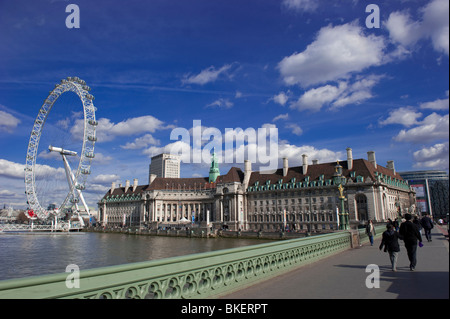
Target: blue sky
{"x":312,"y":69}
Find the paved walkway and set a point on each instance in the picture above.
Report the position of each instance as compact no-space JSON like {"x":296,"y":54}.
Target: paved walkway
{"x":344,"y":276}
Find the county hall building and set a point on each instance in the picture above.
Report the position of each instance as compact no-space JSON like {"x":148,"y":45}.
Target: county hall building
{"x":301,"y":198}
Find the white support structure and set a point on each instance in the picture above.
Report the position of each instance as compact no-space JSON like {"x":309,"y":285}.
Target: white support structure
{"x":71,"y":180}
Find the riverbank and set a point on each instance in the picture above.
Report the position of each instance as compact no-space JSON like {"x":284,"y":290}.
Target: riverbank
{"x":202,"y":233}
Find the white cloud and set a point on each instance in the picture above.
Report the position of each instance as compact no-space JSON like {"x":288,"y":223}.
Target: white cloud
{"x":134,"y":126}
{"x":107,"y":130}
{"x":16,"y":170}
{"x":281,"y":117}
{"x":297,"y":130}
{"x":181,"y":148}
{"x":294,"y":154}
{"x":434,"y":26}
{"x":8,"y":122}
{"x":6,"y":193}
{"x":336,"y":53}
{"x":337,"y":96}
{"x":403,"y":29}
{"x":314,"y":99}
{"x":11,"y":169}
{"x":436,"y":156}
{"x":406,"y":116}
{"x":439,"y":104}
{"x":141,"y":142}
{"x":432,"y":128}
{"x":206,"y":76}
{"x":95,"y":189}
{"x":221,"y":103}
{"x":105,"y":179}
{"x":281,"y":98}
{"x":301,"y":5}
{"x":357,"y":92}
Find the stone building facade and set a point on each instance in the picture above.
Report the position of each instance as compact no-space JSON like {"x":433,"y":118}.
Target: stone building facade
{"x":302,"y":198}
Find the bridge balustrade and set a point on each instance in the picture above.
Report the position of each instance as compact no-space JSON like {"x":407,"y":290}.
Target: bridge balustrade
{"x":201,"y":275}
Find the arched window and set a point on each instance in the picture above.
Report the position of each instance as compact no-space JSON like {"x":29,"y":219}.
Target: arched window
{"x":361,"y":207}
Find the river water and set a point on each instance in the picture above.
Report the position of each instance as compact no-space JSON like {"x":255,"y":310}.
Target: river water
{"x":23,"y":255}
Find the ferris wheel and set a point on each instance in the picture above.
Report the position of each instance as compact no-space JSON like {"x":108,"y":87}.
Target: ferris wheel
{"x":83,"y":156}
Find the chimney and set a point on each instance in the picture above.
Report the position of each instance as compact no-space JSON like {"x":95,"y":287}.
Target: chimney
{"x":391,"y":166}
{"x":113,"y":187}
{"x":247,"y":173}
{"x":135,"y":184}
{"x":305,"y":164}
{"x":285,"y":166}
{"x":315,"y":161}
{"x":152,"y":177}
{"x":127,"y":185}
{"x":371,"y":158}
{"x":247,"y":166}
{"x":349,"y":159}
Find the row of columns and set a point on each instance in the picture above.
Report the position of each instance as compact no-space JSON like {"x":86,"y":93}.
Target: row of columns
{"x":175,"y":211}
{"x":231,"y":211}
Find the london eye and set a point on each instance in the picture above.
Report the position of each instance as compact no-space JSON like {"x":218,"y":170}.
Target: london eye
{"x":60,"y":151}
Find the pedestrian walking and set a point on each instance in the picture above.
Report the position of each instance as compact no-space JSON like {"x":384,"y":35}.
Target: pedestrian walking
{"x":370,"y":231}
{"x":417,"y":222}
{"x":427,"y":225}
{"x":390,"y":243}
{"x":410,"y":234}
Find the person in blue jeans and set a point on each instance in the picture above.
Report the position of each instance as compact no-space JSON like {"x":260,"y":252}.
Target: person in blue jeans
{"x":370,"y":231}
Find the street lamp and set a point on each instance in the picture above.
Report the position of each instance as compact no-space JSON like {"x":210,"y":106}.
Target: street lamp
{"x":343,"y":215}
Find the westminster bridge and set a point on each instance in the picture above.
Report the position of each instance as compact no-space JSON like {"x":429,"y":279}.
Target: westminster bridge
{"x":336,"y":265}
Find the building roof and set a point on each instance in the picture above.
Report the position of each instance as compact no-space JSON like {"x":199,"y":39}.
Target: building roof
{"x":235,"y":174}
{"x":178,"y":183}
{"x":119,"y":191}
{"x":361,"y":167}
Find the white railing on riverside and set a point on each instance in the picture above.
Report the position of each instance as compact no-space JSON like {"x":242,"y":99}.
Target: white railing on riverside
{"x":39,"y":228}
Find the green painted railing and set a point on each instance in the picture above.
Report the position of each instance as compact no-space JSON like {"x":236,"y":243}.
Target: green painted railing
{"x":202,"y":275}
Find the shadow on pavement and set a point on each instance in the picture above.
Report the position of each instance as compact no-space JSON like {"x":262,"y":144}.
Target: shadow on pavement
{"x":417,"y":284}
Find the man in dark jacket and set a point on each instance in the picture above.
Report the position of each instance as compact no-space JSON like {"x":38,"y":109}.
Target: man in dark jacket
{"x":410,"y":234}
{"x":390,"y":243}
{"x":427,"y":225}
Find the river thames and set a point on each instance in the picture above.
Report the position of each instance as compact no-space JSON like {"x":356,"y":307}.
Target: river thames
{"x":24,"y":255}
